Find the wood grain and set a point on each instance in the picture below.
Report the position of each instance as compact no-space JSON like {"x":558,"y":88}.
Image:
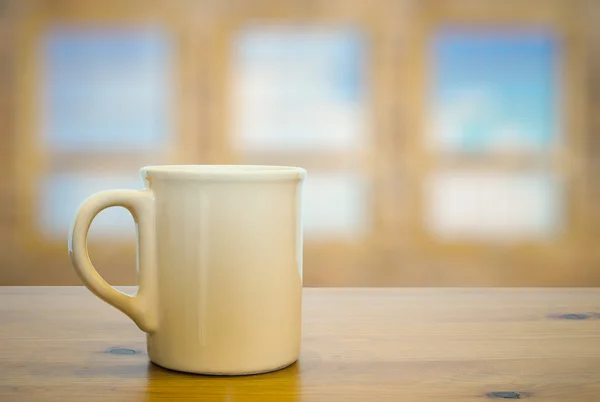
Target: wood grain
{"x":358,"y":345}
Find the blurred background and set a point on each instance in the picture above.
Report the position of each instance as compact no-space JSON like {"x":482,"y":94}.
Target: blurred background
{"x":448,"y":143}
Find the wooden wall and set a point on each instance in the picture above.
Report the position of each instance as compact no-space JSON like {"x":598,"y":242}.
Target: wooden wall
{"x":397,"y":253}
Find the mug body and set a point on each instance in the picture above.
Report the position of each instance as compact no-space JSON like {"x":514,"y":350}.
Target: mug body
{"x":228,"y":243}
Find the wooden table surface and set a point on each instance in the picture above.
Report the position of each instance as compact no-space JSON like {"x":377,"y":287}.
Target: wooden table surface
{"x":63,"y":344}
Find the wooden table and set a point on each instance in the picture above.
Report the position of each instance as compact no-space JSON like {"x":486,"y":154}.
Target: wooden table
{"x":63,"y":344}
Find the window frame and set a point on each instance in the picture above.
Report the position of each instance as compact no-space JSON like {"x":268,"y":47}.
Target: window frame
{"x":557,"y":18}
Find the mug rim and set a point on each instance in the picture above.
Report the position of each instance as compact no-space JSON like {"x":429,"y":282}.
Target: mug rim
{"x":223,"y":172}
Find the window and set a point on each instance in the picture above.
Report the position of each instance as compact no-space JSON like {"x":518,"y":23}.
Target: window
{"x":494,"y":130}
{"x":336,"y":206}
{"x":494,"y":92}
{"x":62,"y":193}
{"x":484,"y":206}
{"x":299,"y":96}
{"x":105,"y":99}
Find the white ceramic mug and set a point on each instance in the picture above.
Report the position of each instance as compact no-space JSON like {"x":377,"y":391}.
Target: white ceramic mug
{"x":219,"y":261}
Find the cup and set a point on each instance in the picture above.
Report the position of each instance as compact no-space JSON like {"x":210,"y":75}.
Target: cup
{"x":219,"y":265}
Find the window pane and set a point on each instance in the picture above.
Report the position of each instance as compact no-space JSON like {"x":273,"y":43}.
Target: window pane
{"x":299,"y":88}
{"x":105,"y":89}
{"x":62,"y":194}
{"x":494,"y":91}
{"x":484,"y":206}
{"x":335,"y":206}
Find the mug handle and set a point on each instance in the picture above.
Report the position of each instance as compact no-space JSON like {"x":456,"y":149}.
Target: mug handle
{"x":140,"y":203}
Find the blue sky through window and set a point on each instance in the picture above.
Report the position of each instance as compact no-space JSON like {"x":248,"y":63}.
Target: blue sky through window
{"x":494,"y":90}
